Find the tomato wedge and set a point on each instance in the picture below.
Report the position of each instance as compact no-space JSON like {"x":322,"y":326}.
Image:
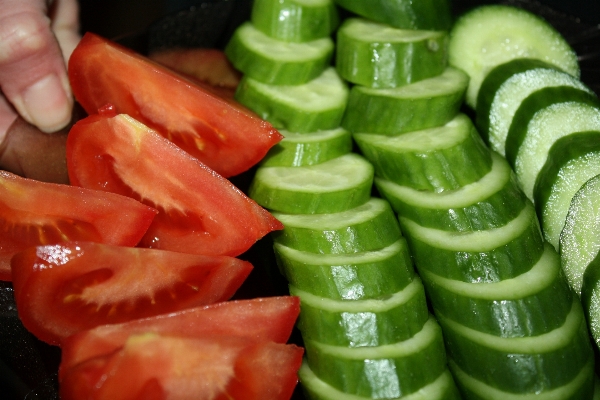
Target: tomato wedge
{"x":221,"y":133}
{"x":268,"y":318}
{"x":37,"y":213}
{"x":65,"y":288}
{"x":199,"y":211}
{"x":152,"y":366}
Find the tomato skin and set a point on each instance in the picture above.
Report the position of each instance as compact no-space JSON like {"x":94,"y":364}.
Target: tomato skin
{"x":38,"y":213}
{"x":222,"y":134}
{"x":203,"y":368}
{"x":199,"y":211}
{"x":66,"y":288}
{"x":243,"y":318}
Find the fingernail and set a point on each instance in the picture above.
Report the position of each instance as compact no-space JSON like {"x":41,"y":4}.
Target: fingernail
{"x":46,"y":104}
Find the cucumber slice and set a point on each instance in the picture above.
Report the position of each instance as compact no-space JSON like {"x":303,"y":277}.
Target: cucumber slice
{"x":379,"y":56}
{"x":442,"y":388}
{"x":302,"y":149}
{"x":511,"y":94}
{"x":590,"y":299}
{"x":316,"y":105}
{"x":424,"y":104}
{"x":333,"y":186}
{"x":490,"y":35}
{"x":481,"y":205}
{"x":295,"y":20}
{"x":580,"y":237}
{"x":405,"y":14}
{"x":430,"y":159}
{"x":358,"y":276}
{"x":375,"y":371}
{"x":359,"y":323}
{"x":275,"y":62}
{"x":572,"y":161}
{"x":370,"y":226}
{"x":574,"y":111}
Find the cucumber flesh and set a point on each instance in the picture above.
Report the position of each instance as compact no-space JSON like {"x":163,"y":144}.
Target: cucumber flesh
{"x":490,"y":35}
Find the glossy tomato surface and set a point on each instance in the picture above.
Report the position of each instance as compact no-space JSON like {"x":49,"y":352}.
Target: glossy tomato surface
{"x":221,"y":133}
{"x":63,"y":289}
{"x":268,"y":318}
{"x":172,"y":367}
{"x":199,"y":211}
{"x":37,"y":213}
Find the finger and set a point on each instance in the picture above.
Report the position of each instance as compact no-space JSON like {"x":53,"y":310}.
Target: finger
{"x":32,"y":70}
{"x":64,"y":15}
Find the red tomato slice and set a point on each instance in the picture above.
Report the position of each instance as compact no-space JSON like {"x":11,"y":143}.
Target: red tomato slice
{"x":199,"y":211}
{"x":222,"y":134}
{"x":63,"y":289}
{"x":269,"y":318}
{"x":37,"y":213}
{"x":152,"y":366}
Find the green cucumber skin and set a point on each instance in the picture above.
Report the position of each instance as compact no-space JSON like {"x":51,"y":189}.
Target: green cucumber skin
{"x":290,"y":21}
{"x":492,"y":82}
{"x":362,"y":377}
{"x":357,"y":329}
{"x":520,"y":373}
{"x":347,"y":280}
{"x":404,"y":14}
{"x":429,"y":169}
{"x":298,"y":153}
{"x":590,"y":299}
{"x":381,"y":64}
{"x":269,"y":69}
{"x":372,"y":234}
{"x":376,"y":111}
{"x":531,"y":105}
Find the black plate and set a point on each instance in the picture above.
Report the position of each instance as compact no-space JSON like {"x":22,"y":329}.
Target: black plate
{"x":27,"y":366}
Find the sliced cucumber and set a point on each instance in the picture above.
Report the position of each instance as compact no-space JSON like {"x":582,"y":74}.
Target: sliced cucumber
{"x":316,"y":105}
{"x":272,"y":61}
{"x":590,"y":297}
{"x":302,"y":149}
{"x":333,"y":186}
{"x":424,"y":104}
{"x":406,"y":14}
{"x":377,"y":55}
{"x":367,"y":227}
{"x":572,"y":161}
{"x":580,"y":237}
{"x":430,"y":159}
{"x":357,"y":276}
{"x":295,"y":20}
{"x":490,"y":35}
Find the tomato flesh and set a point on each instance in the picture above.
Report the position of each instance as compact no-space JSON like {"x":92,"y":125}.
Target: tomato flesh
{"x":221,"y":133}
{"x":199,"y":211}
{"x":65,"y":288}
{"x":37,"y":213}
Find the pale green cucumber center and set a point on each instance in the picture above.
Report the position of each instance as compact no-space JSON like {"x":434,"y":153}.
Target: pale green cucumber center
{"x":452,"y":134}
{"x":280,"y":50}
{"x":490,"y":183}
{"x":540,"y":276}
{"x":509,"y":96}
{"x":325,"y":92}
{"x":433,"y":391}
{"x":489,"y":392}
{"x":342,"y":173}
{"x":420,"y":341}
{"x":544,"y":343}
{"x":322,"y":222}
{"x":368,"y":306}
{"x":475,"y":241}
{"x":312,"y":3}
{"x":369,"y":31}
{"x":450,"y":82}
{"x":312,"y":137}
{"x":570,"y":178}
{"x":546,"y":127}
{"x":580,"y":238}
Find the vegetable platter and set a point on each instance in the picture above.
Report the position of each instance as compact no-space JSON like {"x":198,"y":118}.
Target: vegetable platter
{"x":29,"y":366}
